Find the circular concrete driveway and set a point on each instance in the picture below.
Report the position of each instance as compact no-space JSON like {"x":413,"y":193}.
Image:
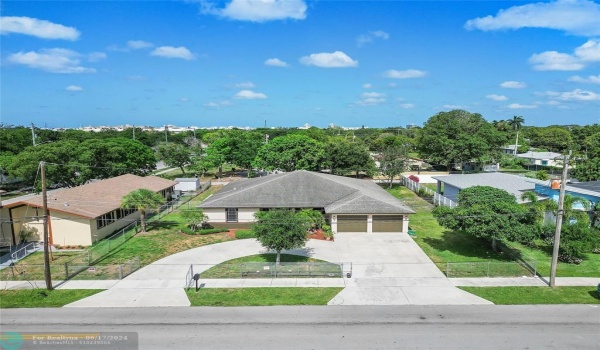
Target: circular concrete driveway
{"x":387,"y":269}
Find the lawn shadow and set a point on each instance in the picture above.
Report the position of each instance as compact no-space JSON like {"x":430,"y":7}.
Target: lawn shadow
{"x":466,"y":246}
{"x":594,"y":294}
{"x":162,"y":225}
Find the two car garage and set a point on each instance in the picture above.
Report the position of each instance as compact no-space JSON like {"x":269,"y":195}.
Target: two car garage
{"x":359,"y":223}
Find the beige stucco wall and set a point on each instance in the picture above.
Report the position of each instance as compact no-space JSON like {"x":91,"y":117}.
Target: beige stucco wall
{"x":217,"y":215}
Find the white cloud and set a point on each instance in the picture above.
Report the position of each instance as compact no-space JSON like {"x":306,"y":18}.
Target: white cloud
{"x":258,"y":10}
{"x":404,"y":74}
{"x":184,"y":99}
{"x":173,"y":52}
{"x":276,"y":62}
{"x":37,"y":27}
{"x":371,"y":99}
{"x":369,"y":37}
{"x":367,"y":86}
{"x":245,"y":85}
{"x":520,"y":106}
{"x":250,"y":95}
{"x":558,"y":61}
{"x":592,"y":79}
{"x":496,"y":97}
{"x":139,"y":44}
{"x":336,"y":59}
{"x":96,"y":56}
{"x":216,"y":104}
{"x":579,"y":95}
{"x":580,"y":17}
{"x":511,"y":84}
{"x":589,"y":52}
{"x":453,"y":107}
{"x":407,"y":105}
{"x":552,"y":60}
{"x":73,"y":88}
{"x":51,"y":60}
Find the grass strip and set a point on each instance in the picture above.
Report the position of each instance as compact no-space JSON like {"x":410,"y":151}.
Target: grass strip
{"x":536,"y":295}
{"x":268,"y":296}
{"x":34,"y":298}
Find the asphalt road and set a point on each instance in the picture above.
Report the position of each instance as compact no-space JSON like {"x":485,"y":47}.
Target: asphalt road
{"x":360,"y":327}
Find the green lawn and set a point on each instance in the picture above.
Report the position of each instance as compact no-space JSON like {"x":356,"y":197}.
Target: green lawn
{"x":33,"y":298}
{"x":536,"y":295}
{"x":233,"y":268}
{"x":262,"y":296}
{"x":442,"y":245}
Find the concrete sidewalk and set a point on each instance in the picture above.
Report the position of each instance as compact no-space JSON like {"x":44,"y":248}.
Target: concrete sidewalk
{"x":308,"y":282}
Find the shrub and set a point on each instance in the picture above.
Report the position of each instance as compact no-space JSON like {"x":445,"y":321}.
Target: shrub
{"x":243,"y":234}
{"x":542,"y":175}
{"x":189,"y":231}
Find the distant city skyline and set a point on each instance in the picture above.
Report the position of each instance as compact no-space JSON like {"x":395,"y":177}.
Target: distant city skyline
{"x":66,"y":64}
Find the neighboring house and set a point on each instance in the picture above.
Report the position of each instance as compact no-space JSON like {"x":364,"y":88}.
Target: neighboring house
{"x":349,"y":205}
{"x":510,"y":149}
{"x":187,"y":184}
{"x":587,"y":190}
{"x":542,"y":158}
{"x":78,"y":215}
{"x":513,"y":184}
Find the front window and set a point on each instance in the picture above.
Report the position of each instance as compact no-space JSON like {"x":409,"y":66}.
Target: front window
{"x":232,"y":214}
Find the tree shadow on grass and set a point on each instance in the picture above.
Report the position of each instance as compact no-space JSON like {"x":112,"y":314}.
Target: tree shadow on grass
{"x":162,"y":225}
{"x":594,"y":294}
{"x":466,"y":246}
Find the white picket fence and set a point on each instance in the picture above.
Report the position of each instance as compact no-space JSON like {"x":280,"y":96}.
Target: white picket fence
{"x":438,"y":199}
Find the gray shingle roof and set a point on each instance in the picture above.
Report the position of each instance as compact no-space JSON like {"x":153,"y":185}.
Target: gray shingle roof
{"x":540,"y":155}
{"x":513,"y":184}
{"x":305,"y":189}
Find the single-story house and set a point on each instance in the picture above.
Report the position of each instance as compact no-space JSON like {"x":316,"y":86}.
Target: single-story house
{"x":78,"y":215}
{"x":187,"y":184}
{"x":513,"y":184}
{"x":348,"y":204}
{"x":542,"y":158}
{"x":586,"y":190}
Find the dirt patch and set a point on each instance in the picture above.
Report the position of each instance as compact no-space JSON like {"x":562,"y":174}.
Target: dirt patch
{"x":318,"y":234}
{"x":230,"y":233}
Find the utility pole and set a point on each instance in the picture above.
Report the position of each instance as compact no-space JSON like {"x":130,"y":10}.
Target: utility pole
{"x":166,"y":133}
{"x":134,"y":132}
{"x":47,"y":275}
{"x":559,"y":219}
{"x":33,"y":133}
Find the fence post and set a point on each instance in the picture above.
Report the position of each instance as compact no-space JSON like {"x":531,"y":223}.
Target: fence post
{"x":488,"y":270}
{"x":447,"y":269}
{"x":120,"y":272}
{"x":89,"y":254}
{"x":66,"y":271}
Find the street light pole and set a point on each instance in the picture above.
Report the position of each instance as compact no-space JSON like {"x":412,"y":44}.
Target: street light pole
{"x":559,"y":219}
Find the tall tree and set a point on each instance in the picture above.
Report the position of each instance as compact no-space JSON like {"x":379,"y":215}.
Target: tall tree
{"x":515,"y":123}
{"x":344,"y":155}
{"x":393,"y":162}
{"x":491,"y":213}
{"x":291,"y":152}
{"x":281,"y":229}
{"x":174,"y":155}
{"x":457,"y":136}
{"x":217,"y":153}
{"x":144,"y":200}
{"x":587,"y":167}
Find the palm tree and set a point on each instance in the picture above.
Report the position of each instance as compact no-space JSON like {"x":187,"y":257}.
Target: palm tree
{"x":516,"y":122}
{"x":142,"y":200}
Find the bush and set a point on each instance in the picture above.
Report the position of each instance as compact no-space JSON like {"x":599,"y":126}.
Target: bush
{"x":243,"y":234}
{"x":189,"y":231}
{"x":542,"y":175}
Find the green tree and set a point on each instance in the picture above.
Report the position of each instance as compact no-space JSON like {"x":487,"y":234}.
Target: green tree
{"x":457,"y":136}
{"x":515,"y":123}
{"x":291,"y":152}
{"x":174,"y":155}
{"x":281,"y":229}
{"x":393,"y":162}
{"x":217,"y":153}
{"x":144,"y":200}
{"x":555,"y":139}
{"x":491,"y":213}
{"x":587,"y":167}
{"x":344,"y":155}
{"x":243,"y":148}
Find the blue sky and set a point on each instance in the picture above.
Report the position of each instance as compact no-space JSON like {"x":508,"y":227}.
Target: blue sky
{"x":351,"y":63}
